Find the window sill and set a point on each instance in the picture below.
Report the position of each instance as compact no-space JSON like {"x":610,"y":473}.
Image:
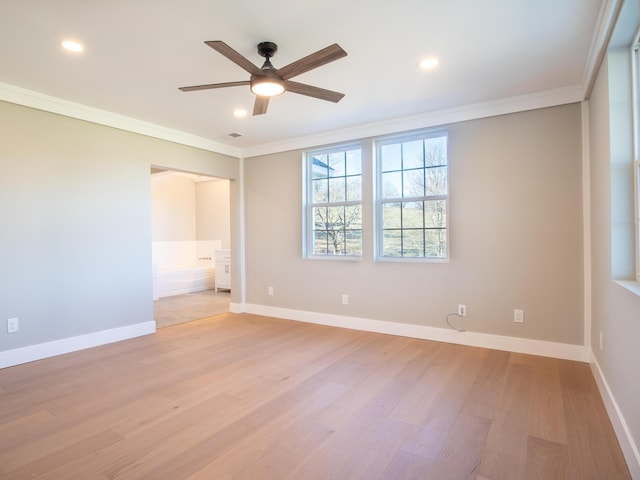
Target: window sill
{"x":340,"y":258}
{"x":411,"y":260}
{"x":633,"y":287}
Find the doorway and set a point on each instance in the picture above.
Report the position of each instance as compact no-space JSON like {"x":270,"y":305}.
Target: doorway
{"x":190,"y":228}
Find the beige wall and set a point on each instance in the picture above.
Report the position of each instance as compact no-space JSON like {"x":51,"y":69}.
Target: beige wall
{"x":173,"y":208}
{"x":75,"y":213}
{"x":213,"y":211}
{"x":186,"y":210}
{"x":515,"y":230}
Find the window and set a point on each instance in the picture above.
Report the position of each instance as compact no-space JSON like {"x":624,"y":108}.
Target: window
{"x":333,"y":212}
{"x":412,"y":196}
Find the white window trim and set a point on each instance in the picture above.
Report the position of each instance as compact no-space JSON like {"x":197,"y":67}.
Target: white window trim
{"x":635,"y":62}
{"x":377,"y":197}
{"x":307,"y":217}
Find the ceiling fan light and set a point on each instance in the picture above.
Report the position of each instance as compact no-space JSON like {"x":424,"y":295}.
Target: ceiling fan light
{"x":428,"y":63}
{"x":267,"y":87}
{"x":72,"y":46}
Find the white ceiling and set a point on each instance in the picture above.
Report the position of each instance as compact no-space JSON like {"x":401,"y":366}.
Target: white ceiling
{"x":137,"y":54}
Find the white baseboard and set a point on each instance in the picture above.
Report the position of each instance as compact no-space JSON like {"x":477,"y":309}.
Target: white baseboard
{"x":236,"y":308}
{"x":512,"y":344}
{"x":627,"y":444}
{"x":31,"y":353}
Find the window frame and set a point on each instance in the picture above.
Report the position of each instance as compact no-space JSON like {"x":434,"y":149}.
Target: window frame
{"x":307,"y":195}
{"x":379,"y":201}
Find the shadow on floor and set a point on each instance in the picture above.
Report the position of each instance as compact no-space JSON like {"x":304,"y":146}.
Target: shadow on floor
{"x":177,"y":309}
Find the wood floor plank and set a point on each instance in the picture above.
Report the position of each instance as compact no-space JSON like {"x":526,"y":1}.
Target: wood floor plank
{"x":593,"y":449}
{"x":462,"y":453}
{"x":352,"y":368}
{"x":547,"y":459}
{"x":21,"y":430}
{"x":220,"y":440}
{"x":577,"y":376}
{"x":428,"y":439}
{"x":146,"y":450}
{"x":63,"y":456}
{"x":41,"y":447}
{"x":340,"y":346}
{"x":273,"y":435}
{"x":406,"y":466}
{"x":376,"y":450}
{"x":430,"y":386}
{"x":546,"y":412}
{"x":485,"y":392}
{"x":456,"y":389}
{"x":329,"y":458}
{"x":505,"y":453}
{"x":357,"y":396}
{"x":145,"y":447}
{"x":287,"y":453}
{"x":243,"y":396}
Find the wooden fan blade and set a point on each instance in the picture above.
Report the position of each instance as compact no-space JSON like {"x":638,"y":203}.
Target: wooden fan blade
{"x":311,"y":91}
{"x":315,"y":60}
{"x":234,"y":56}
{"x":215,"y":85}
{"x":260,"y":105}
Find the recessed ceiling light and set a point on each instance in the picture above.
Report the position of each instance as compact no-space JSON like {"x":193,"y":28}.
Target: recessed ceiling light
{"x":428,"y":63}
{"x":239,"y":112}
{"x":72,"y":46}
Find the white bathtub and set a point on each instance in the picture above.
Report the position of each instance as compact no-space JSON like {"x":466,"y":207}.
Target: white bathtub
{"x":177,"y":280}
{"x":183,"y":267}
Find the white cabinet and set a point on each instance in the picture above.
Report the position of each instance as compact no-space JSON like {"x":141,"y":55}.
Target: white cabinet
{"x":223,"y":270}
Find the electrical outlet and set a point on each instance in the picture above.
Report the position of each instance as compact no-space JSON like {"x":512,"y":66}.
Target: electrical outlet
{"x":270,"y":291}
{"x":518,"y":316}
{"x":462,"y":310}
{"x":13,"y":325}
{"x":345,"y":299}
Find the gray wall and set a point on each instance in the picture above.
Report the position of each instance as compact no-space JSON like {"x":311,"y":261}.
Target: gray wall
{"x":615,"y":310}
{"x":515,"y":232}
{"x":75,"y":236}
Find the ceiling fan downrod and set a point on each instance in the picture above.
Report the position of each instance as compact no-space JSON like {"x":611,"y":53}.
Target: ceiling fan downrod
{"x":267,"y":50}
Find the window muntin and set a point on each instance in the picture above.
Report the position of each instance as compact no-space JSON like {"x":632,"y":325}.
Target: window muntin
{"x":412,"y":196}
{"x":334,"y":202}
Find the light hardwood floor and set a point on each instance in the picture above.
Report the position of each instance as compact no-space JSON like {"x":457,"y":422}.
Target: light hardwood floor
{"x":246,"y":397}
{"x":187,"y":307}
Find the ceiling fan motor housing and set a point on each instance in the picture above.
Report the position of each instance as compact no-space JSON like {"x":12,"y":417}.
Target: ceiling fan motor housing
{"x":267,"y":49}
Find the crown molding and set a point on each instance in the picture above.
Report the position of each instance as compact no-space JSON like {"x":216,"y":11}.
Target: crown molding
{"x":607,"y":18}
{"x":532,"y":101}
{"x":547,"y":98}
{"x":47,"y":103}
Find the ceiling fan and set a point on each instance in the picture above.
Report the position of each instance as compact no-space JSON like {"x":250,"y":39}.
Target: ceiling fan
{"x":268,"y":81}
